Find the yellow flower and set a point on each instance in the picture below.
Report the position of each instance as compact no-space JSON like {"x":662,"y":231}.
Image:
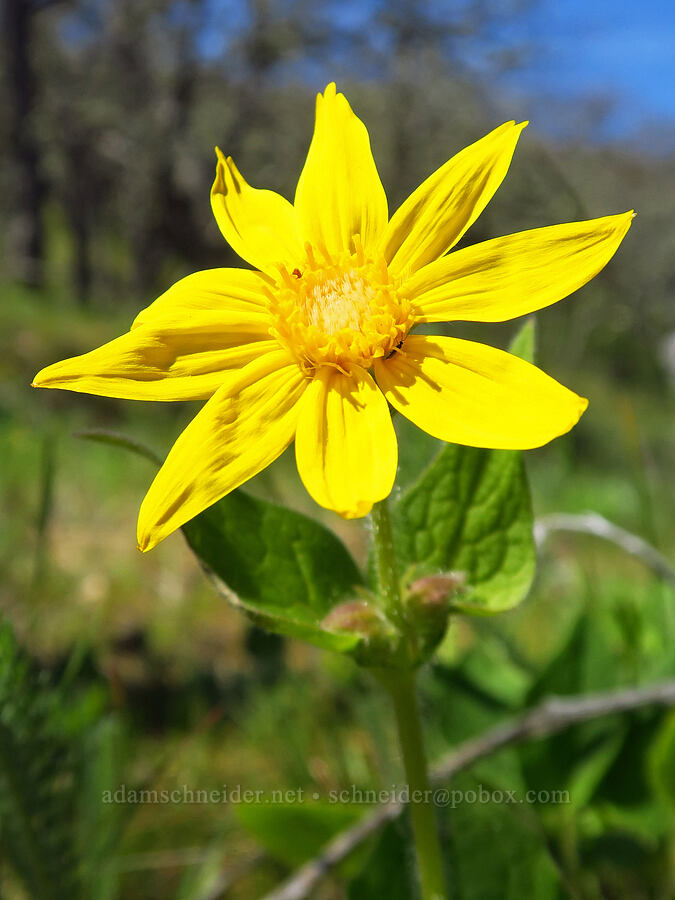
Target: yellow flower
{"x":317,"y":342}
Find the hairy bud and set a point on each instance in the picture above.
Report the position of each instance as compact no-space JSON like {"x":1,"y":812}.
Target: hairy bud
{"x":428,"y":607}
{"x":381,"y":641}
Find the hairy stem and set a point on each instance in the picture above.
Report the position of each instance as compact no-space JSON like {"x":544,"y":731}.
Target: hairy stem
{"x":385,"y":563}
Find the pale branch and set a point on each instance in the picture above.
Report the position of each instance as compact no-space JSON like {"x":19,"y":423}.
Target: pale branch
{"x":305,"y":879}
{"x":597,"y":525}
{"x":553,"y":715}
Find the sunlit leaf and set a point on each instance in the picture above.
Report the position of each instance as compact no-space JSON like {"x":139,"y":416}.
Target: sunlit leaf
{"x":470,"y":512}
{"x":283,"y":569}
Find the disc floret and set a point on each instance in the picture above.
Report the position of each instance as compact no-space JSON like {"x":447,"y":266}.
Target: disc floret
{"x":341,"y":311}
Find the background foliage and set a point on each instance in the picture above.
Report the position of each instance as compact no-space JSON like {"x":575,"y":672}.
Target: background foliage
{"x":117,"y":669}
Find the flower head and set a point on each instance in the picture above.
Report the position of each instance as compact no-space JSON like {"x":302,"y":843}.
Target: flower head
{"x":318,"y":341}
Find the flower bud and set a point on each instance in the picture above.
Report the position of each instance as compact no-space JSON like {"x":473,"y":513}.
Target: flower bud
{"x":381,"y":640}
{"x":355,"y":615}
{"x":428,"y":607}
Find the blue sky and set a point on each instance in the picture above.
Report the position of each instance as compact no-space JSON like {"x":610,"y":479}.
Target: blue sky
{"x":619,"y":52}
{"x":623,"y":50}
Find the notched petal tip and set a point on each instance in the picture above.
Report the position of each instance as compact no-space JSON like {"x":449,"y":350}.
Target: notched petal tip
{"x":226,"y":171}
{"x":510,"y":125}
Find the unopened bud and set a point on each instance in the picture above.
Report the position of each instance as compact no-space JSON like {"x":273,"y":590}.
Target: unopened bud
{"x":433,"y":590}
{"x":356,"y":616}
{"x":380,"y":640}
{"x":428,"y":606}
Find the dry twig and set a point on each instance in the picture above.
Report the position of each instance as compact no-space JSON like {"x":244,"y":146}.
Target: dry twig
{"x":597,"y":525}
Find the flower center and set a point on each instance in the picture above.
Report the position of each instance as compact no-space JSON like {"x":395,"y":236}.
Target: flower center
{"x":339,"y":312}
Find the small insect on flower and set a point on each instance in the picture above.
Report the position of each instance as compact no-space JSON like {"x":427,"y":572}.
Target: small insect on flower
{"x":317,"y":342}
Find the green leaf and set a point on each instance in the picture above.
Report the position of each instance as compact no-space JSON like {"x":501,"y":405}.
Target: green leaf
{"x":577,"y":759}
{"x":524,"y":343}
{"x":470,"y":512}
{"x":661,"y":761}
{"x":463,"y":709}
{"x":390,"y":868}
{"x":57,"y":833}
{"x":285,"y":571}
{"x":497,"y":850}
{"x":101,"y":824}
{"x":490,"y":849}
{"x":295,"y":832}
{"x":37,"y":791}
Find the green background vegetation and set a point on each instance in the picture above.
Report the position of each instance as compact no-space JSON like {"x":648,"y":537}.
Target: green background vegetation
{"x":118,"y":668}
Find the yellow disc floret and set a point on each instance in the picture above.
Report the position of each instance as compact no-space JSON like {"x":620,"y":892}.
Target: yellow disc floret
{"x":339,"y":311}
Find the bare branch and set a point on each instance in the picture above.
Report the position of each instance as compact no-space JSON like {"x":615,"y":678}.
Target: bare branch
{"x":553,"y":715}
{"x":305,"y":879}
{"x":597,"y":525}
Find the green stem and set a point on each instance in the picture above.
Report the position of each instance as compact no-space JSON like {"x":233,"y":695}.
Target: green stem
{"x":429,"y":857}
{"x":400,"y":683}
{"x":385,"y":563}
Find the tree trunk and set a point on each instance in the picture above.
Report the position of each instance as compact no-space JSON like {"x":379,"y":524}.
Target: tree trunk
{"x":27,"y":233}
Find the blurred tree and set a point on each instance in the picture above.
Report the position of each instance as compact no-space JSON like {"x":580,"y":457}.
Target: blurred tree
{"x":29,"y":186}
{"x":116,"y":105}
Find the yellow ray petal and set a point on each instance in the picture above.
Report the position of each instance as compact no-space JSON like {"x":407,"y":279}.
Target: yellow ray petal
{"x":345,"y":445}
{"x":240,"y":431}
{"x":515,"y":275}
{"x":233,"y":290}
{"x":166,"y":359}
{"x":261,"y":226}
{"x":468,"y":393}
{"x":339,"y":193}
{"x":436,"y":215}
